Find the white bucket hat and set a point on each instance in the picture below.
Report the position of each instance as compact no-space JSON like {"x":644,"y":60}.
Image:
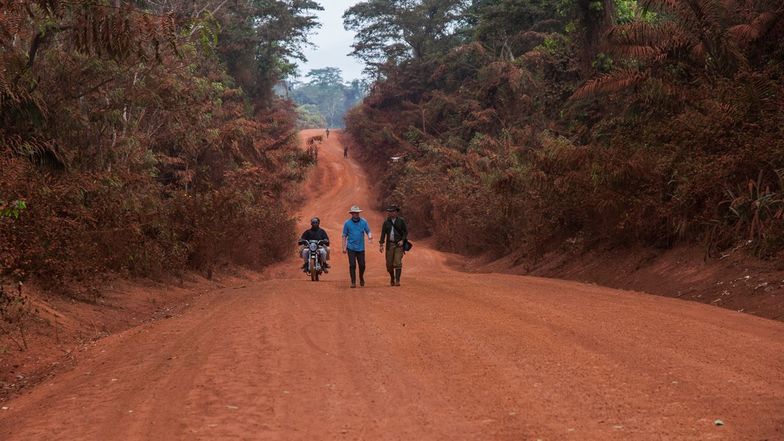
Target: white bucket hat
{"x":355,"y":209}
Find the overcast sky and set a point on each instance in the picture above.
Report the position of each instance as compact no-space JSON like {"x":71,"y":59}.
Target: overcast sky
{"x":333,"y":43}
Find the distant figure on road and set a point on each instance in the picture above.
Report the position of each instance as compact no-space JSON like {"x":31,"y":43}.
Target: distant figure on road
{"x":345,"y":151}
{"x":327,"y":133}
{"x":395,"y":231}
{"x":354,"y":231}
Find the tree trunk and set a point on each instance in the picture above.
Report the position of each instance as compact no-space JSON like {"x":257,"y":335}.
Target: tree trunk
{"x":593,"y":25}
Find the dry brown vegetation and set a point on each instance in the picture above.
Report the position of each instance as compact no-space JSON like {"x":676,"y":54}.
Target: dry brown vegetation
{"x":143,"y":137}
{"x":674,"y":133}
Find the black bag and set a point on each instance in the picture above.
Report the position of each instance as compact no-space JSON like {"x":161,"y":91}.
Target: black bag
{"x":406,"y":244}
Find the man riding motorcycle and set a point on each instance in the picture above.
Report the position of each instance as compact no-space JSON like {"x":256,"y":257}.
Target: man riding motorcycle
{"x":315,"y":233}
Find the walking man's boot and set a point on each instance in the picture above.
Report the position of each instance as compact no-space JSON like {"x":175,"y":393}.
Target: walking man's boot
{"x":397,"y":276}
{"x":353,"y":274}
{"x":391,"y":278}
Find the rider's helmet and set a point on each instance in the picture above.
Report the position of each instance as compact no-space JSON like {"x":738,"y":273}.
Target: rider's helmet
{"x":315,"y":221}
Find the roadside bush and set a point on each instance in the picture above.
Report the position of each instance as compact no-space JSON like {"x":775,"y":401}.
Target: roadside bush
{"x":148,"y":151}
{"x":518,"y":146}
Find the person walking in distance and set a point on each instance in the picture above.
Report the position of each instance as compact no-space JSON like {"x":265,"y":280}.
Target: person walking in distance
{"x":394,"y":234}
{"x":354,"y":231}
{"x":345,"y":151}
{"x":327,"y":132}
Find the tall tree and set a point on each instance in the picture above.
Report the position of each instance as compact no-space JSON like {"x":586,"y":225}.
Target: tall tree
{"x":390,"y":30}
{"x":325,"y":77}
{"x":260,"y":38}
{"x":326,"y":92}
{"x":501,"y":25}
{"x":593,"y":18}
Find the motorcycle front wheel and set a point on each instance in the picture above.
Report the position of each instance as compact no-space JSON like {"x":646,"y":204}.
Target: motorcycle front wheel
{"x":313,"y":272}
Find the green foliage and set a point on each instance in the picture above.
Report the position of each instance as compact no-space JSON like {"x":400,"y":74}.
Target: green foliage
{"x":550,"y":45}
{"x":602,"y":63}
{"x":12,"y":209}
{"x":328,"y":96}
{"x":325,"y":77}
{"x":208,"y":29}
{"x":630,"y":10}
{"x":402,"y":29}
{"x":259,"y":39}
{"x":308,"y":117}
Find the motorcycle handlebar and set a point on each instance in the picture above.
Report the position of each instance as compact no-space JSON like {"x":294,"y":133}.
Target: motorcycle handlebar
{"x":305,"y":242}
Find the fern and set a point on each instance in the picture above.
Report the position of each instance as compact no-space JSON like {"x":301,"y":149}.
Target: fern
{"x":608,"y":83}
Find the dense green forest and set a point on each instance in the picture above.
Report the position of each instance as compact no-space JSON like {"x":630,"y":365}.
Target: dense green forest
{"x":541,"y":124}
{"x":144,"y":137}
{"x":324,"y":99}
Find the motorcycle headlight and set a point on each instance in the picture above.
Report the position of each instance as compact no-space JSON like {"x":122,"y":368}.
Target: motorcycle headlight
{"x":313,"y":246}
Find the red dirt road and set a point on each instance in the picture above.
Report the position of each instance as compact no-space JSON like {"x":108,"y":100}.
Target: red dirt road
{"x":446,"y":356}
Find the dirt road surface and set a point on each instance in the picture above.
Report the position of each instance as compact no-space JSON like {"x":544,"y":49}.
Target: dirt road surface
{"x":446,"y":356}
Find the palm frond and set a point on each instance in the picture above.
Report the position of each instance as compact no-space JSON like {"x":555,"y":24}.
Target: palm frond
{"x":637,"y":52}
{"x":644,"y":40}
{"x":698,"y":51}
{"x":758,"y":28}
{"x":744,"y":33}
{"x":710,"y":12}
{"x":612,"y":82}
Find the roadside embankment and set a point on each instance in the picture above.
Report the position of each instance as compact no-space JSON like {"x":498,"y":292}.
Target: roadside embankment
{"x":735,"y":281}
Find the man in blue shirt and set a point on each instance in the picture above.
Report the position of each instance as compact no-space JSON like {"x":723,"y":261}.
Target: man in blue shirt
{"x":354,"y":231}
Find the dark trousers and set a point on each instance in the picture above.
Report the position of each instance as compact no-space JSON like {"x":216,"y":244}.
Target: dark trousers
{"x":355,"y":257}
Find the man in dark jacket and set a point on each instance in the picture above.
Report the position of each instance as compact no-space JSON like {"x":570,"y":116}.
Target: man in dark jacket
{"x":315,"y":233}
{"x":394,"y":234}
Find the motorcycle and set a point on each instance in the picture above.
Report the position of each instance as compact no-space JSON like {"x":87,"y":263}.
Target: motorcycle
{"x":315,"y":266}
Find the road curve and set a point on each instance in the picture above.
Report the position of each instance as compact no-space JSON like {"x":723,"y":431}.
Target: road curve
{"x":446,"y":356}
